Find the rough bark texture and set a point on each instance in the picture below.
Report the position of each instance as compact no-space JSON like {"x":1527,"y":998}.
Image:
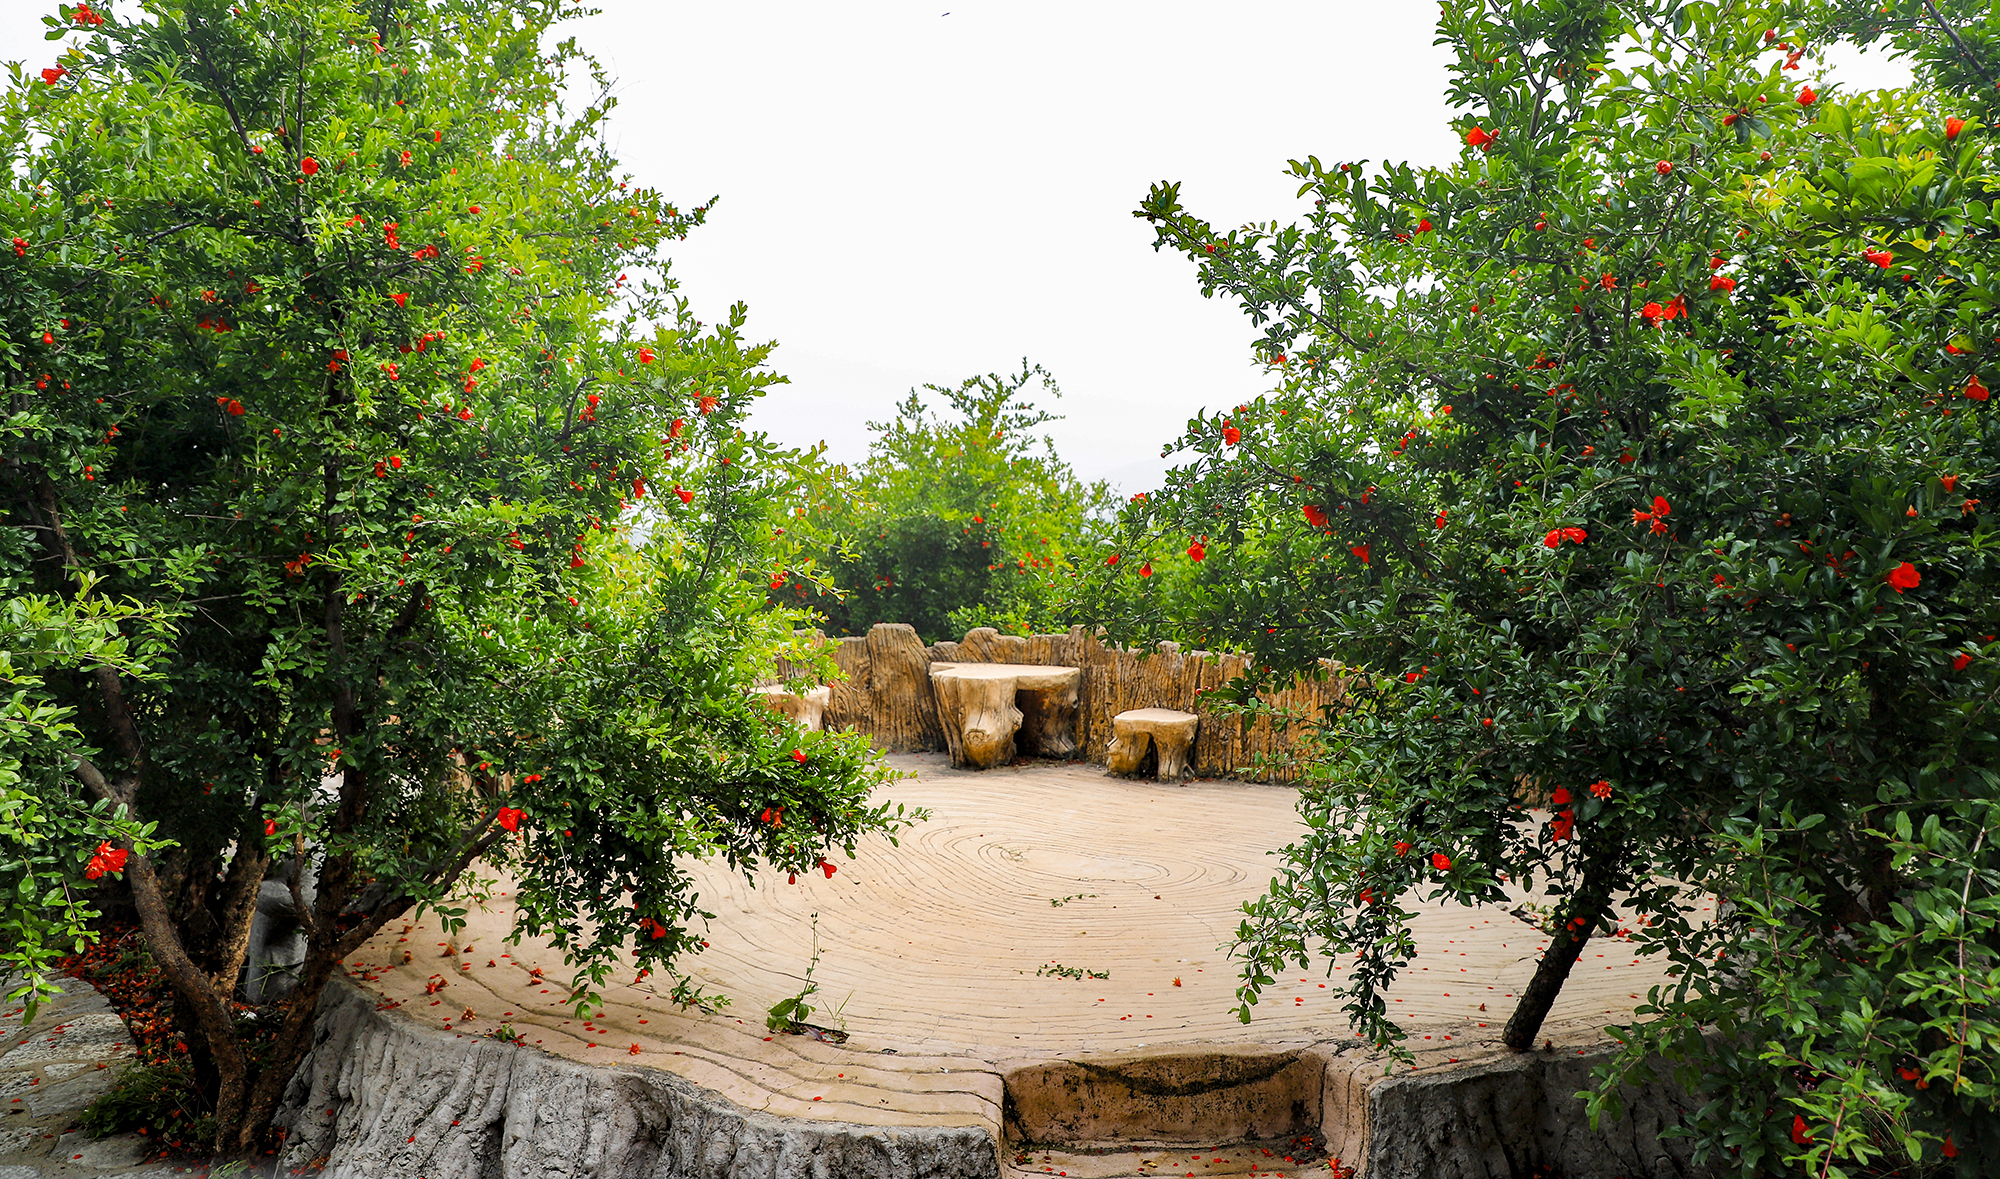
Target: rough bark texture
{"x":1512,"y":1116}
{"x":1048,"y":720}
{"x":807,"y":709}
{"x":1169,"y":732}
{"x":1198,"y":1097}
{"x":1580,"y":918}
{"x":979,"y":718}
{"x":380,"y":1096}
{"x":886,"y":702}
{"x":903,"y":711}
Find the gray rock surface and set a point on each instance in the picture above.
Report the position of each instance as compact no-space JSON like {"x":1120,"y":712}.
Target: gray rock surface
{"x":52,"y":1068}
{"x":1507,"y":1117}
{"x":380,"y":1095}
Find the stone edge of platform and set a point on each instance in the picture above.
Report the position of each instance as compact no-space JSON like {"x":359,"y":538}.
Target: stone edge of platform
{"x":381,"y":1095}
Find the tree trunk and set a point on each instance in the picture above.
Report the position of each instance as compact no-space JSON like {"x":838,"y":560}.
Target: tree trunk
{"x":1581,"y":916}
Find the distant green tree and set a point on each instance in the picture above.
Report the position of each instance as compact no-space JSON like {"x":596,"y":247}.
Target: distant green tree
{"x":953,"y":521}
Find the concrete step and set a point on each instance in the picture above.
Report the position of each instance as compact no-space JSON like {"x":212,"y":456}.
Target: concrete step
{"x":1300,"y":1157}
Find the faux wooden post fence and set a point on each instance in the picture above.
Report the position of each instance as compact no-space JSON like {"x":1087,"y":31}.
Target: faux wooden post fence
{"x":887,"y":694}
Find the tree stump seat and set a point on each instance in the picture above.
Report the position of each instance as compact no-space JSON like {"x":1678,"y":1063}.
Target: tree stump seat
{"x":807,"y":708}
{"x":988,"y":709}
{"x":1169,"y":732}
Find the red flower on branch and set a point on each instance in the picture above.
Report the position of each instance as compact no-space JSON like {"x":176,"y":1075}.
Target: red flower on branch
{"x":1440,"y":861}
{"x":1361,"y":551}
{"x":1882,"y":258}
{"x":1952,"y":127}
{"x":52,"y":75}
{"x":799,"y":755}
{"x":1479,"y":137}
{"x":1800,"y":1136}
{"x":645,"y":356}
{"x":1197,"y":551}
{"x":1975,"y":390}
{"x":309,"y":166}
{"x":1402,"y":848}
{"x":1601,"y":788}
{"x":1561,"y":797}
{"x":1723,"y":283}
{"x":1904,"y":577}
{"x":827,"y":868}
{"x":1231,"y":435}
{"x":1808,"y":96}
{"x":510,"y":818}
{"x":1315,"y":515}
{"x":105,"y":859}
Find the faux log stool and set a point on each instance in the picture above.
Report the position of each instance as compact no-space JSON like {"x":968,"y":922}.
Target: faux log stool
{"x":985,"y":706}
{"x":807,"y":708}
{"x":1168,"y":731}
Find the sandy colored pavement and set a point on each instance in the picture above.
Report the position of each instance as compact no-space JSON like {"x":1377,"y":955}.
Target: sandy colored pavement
{"x":931,"y":951}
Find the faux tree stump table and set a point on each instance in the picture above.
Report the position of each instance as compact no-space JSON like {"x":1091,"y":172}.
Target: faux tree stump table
{"x":986,"y":709}
{"x":1168,"y":731}
{"x":807,"y":708}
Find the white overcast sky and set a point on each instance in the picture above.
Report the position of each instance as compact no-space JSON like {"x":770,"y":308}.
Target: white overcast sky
{"x":916,"y":192}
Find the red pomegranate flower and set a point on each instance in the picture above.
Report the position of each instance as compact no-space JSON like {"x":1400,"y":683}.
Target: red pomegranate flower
{"x":1361,"y":551}
{"x":1975,"y":389}
{"x":1723,"y":283}
{"x":1197,"y":551}
{"x":1881,"y":258}
{"x":1440,"y":861}
{"x":1952,"y":127}
{"x":1808,"y":96}
{"x":510,"y":818}
{"x":1904,"y":577}
{"x":105,"y":859}
{"x":309,"y":166}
